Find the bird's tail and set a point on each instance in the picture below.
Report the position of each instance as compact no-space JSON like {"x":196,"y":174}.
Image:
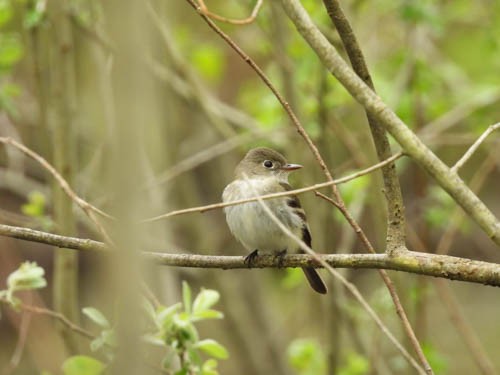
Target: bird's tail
{"x":315,"y":280}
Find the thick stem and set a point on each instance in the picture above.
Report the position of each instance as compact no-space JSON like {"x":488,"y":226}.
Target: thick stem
{"x":65,"y":287}
{"x":392,"y":190}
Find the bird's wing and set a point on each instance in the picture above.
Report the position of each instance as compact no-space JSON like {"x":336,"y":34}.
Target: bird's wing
{"x":294,"y":202}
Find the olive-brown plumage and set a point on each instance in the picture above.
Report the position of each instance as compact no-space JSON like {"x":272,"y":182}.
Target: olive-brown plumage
{"x":265,"y":171}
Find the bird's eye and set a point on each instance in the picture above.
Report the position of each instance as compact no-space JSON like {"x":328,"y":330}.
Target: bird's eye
{"x":268,"y":164}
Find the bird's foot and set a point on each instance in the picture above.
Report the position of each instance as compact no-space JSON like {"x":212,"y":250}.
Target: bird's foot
{"x":280,"y":255}
{"x":250,"y":258}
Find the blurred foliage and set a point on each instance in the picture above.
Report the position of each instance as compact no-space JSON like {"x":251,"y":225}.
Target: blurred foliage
{"x":36,"y":209}
{"x":306,"y":357}
{"x":28,"y":276}
{"x":426,"y":59}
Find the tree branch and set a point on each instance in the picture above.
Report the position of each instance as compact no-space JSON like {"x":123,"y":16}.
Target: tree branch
{"x":277,"y":195}
{"x":395,"y":206}
{"x":459,"y":164}
{"x":446,"y":178}
{"x":444,"y":266}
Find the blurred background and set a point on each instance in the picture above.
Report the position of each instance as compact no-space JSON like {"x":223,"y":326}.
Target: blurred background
{"x":143,"y":100}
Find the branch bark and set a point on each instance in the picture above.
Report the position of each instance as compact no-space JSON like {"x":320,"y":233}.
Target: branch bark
{"x":443,"y":266}
{"x":446,"y":178}
{"x":395,"y":206}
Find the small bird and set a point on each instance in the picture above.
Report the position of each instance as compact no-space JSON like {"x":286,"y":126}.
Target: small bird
{"x":265,"y":171}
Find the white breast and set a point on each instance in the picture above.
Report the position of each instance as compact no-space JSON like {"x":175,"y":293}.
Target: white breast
{"x":251,"y":225}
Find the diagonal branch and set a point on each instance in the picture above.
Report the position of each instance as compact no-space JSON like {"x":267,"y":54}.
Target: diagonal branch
{"x":459,"y":164}
{"x":277,"y":195}
{"x":392,"y":189}
{"x":349,"y":286}
{"x":445,"y":177}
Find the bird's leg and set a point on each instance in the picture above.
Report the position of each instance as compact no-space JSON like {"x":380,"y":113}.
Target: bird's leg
{"x":280,"y":255}
{"x":251,"y":257}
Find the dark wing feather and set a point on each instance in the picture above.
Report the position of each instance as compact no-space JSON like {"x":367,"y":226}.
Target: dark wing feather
{"x":294,"y":203}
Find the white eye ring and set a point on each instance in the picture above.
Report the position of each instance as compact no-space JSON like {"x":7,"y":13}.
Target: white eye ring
{"x":268,"y":164}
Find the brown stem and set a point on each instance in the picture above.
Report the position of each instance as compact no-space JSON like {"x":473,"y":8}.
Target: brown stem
{"x":392,"y":190}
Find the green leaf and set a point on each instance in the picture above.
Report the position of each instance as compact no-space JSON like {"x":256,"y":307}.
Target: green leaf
{"x":27,"y":276}
{"x":186,"y":331}
{"x":96,"y":316}
{"x":11,"y":50}
{"x":207,"y":314}
{"x":5,"y":12}
{"x":205,"y":300}
{"x":209,"y":367}
{"x":212,"y":348}
{"x":35,"y":14}
{"x":97,"y":344}
{"x":109,"y":337}
{"x":35,"y":206}
{"x":153,"y":339}
{"x":186,"y":297}
{"x":166,"y":314}
{"x":82,"y":365}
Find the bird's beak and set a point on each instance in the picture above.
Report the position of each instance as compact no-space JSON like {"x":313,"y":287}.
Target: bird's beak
{"x":291,"y":167}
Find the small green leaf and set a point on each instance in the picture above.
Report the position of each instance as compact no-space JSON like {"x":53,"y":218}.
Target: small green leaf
{"x":206,"y":314}
{"x":96,"y":316}
{"x":209,"y":367}
{"x":153,"y":339}
{"x":205,"y":300}
{"x":82,"y":365}
{"x":186,"y":297}
{"x":27,"y":276}
{"x":97,"y":344}
{"x":109,"y":337}
{"x":166,"y":314}
{"x":35,"y":207}
{"x":212,"y":348}
{"x":35,"y":14}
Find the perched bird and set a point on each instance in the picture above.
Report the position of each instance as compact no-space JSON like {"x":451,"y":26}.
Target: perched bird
{"x":265,"y":171}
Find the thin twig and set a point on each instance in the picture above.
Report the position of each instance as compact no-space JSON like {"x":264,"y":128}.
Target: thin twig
{"x":274,"y":90}
{"x":244,"y":21}
{"x":58,"y":316}
{"x":277,"y":195}
{"x":89,"y":209}
{"x":21,"y":342}
{"x":349,"y":286}
{"x":458,"y":114}
{"x":459,"y":164}
{"x":389,"y":284}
